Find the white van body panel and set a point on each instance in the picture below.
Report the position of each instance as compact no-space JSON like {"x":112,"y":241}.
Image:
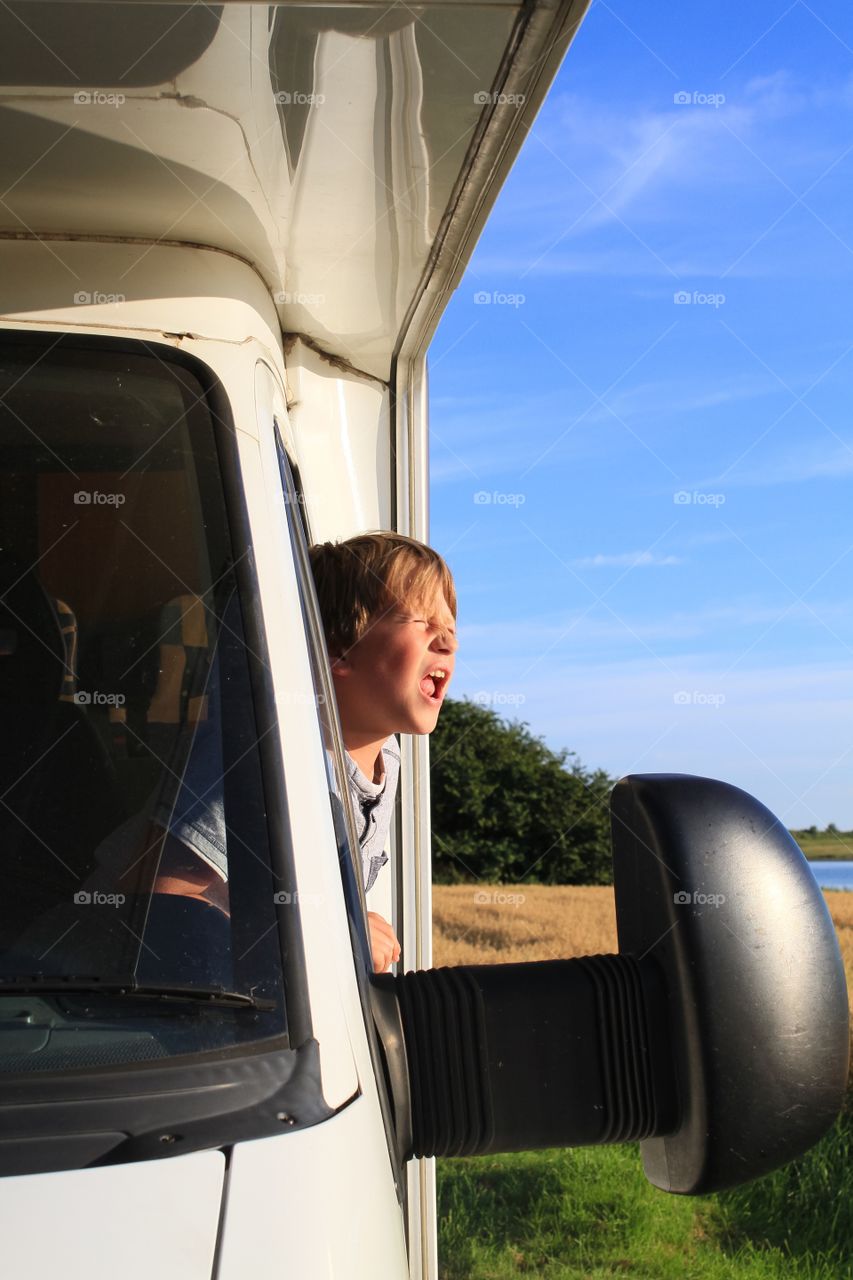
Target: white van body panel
{"x":341,"y":425}
{"x":357,"y":203}
{"x":315,"y":1205}
{"x":124,"y":1222}
{"x":162,"y":291}
{"x":210,"y":157}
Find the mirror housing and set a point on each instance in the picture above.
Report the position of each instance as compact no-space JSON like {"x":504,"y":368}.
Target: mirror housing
{"x":718,"y":1037}
{"x":712,"y":884}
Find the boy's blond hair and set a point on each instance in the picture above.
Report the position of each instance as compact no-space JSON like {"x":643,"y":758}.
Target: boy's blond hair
{"x":371,"y":573}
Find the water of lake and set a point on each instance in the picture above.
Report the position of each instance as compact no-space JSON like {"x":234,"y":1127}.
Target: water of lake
{"x":832,"y":875}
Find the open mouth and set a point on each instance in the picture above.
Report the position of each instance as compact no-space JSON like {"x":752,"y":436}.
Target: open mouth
{"x":434,"y":683}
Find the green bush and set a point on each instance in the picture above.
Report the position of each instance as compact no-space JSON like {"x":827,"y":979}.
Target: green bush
{"x":506,"y":808}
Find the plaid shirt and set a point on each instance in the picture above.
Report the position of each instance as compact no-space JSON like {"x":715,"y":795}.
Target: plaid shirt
{"x":374,"y":806}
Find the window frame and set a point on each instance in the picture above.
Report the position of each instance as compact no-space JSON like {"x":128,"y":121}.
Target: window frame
{"x":299,"y":537}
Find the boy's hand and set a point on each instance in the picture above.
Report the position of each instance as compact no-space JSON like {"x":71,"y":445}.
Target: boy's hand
{"x":384,"y":946}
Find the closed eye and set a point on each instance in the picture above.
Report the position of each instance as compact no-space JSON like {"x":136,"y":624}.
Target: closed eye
{"x":432,"y":623}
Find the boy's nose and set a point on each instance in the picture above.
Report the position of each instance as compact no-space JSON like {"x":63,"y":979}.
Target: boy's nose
{"x":447,"y":640}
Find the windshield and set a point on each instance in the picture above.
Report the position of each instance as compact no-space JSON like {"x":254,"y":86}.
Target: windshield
{"x":134,"y":850}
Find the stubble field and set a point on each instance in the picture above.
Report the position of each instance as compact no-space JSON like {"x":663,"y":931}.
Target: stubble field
{"x":496,"y":924}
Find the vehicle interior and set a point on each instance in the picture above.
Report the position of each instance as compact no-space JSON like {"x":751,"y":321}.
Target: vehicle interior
{"x":121,"y":658}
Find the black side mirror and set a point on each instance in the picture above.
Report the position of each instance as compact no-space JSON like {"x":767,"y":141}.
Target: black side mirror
{"x":718,"y":1037}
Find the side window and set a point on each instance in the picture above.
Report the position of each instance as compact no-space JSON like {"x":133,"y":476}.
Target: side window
{"x":133,"y":834}
{"x":348,"y":848}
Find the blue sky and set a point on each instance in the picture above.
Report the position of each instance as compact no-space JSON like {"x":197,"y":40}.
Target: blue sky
{"x":646,"y":501}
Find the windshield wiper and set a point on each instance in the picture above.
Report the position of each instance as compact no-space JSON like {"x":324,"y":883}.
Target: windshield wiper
{"x":58,"y":986}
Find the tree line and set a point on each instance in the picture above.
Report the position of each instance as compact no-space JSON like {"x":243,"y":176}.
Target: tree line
{"x":505,"y":807}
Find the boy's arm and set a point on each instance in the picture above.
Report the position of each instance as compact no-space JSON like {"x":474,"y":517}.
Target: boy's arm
{"x":384,"y":947}
{"x":377,"y":811}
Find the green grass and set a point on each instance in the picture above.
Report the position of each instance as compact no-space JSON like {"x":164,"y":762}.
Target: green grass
{"x":589,"y":1213}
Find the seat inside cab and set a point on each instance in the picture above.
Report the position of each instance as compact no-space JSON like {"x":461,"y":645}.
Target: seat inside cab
{"x":115,"y":566}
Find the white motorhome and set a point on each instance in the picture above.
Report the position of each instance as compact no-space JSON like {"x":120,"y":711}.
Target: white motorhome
{"x":227,"y":233}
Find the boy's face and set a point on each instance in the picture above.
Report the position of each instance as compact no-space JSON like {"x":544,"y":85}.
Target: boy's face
{"x":383,"y":685}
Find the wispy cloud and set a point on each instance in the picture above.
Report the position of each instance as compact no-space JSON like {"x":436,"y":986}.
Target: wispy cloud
{"x":626,"y":560}
{"x":804,"y":464}
{"x":491,"y":435}
{"x":721,"y":630}
{"x":780,"y":732}
{"x":590,"y":166}
{"x":473,"y":438}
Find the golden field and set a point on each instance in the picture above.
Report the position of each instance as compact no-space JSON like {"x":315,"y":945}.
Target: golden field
{"x":491,"y":924}
{"x":497,"y":924}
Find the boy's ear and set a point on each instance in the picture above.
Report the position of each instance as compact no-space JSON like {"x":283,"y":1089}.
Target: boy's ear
{"x":340,"y":664}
